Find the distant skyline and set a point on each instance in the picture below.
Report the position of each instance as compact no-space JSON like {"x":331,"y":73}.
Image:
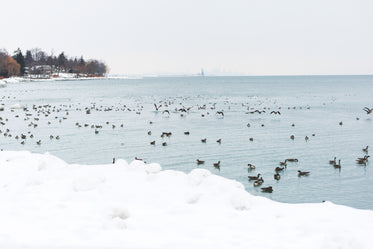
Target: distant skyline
{"x":246,"y":37}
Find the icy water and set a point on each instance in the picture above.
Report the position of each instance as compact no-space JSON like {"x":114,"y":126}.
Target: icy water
{"x":314,"y":104}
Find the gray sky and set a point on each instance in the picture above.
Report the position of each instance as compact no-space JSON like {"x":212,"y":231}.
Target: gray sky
{"x":252,"y":37}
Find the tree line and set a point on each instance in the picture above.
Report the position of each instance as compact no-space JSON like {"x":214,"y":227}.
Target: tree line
{"x":37,"y":62}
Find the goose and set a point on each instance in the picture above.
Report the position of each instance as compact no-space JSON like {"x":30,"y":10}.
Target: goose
{"x":291,"y":160}
{"x":149,"y":133}
{"x":251,"y":139}
{"x":341,"y":123}
{"x":292,"y":137}
{"x":277,"y":176}
{"x":278,"y":169}
{"x":333,"y":161}
{"x":338,"y":166}
{"x":258,"y":182}
{"x":366,"y":149}
{"x":283,"y":163}
{"x":303,"y":173}
{"x":253,"y":177}
{"x":251,"y":166}
{"x":164,"y":144}
{"x":204,"y":140}
{"x":267,"y":189}
{"x":152,"y":142}
{"x":217,"y":165}
{"x":306,"y":138}
{"x":200,"y":161}
{"x":219,"y":141}
{"x":186,"y":133}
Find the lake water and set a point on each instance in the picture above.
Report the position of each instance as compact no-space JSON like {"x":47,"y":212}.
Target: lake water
{"x":314,"y":104}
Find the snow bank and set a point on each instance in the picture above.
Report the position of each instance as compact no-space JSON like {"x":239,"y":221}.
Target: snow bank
{"x":47,"y":203}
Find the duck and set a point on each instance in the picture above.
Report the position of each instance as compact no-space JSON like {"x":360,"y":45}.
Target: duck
{"x":303,"y":173}
{"x":267,"y":189}
{"x":200,"y":161}
{"x":253,"y":177}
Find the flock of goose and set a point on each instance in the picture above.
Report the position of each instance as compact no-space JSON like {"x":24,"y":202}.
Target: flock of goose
{"x":60,"y":113}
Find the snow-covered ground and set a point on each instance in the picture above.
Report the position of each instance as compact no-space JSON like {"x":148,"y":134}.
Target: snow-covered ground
{"x":47,"y":203}
{"x":61,"y":77}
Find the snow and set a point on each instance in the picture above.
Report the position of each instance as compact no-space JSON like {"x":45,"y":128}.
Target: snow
{"x":47,"y":203}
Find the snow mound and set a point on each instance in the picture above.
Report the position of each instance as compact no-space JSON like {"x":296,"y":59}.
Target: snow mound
{"x":47,"y":203}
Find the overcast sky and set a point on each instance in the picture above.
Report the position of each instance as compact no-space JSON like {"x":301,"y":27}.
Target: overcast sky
{"x":248,"y":37}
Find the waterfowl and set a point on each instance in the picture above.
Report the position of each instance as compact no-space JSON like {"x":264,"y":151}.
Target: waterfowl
{"x":152,"y":142}
{"x":164,"y":144}
{"x":267,"y":189}
{"x":251,"y":139}
{"x":186,"y":133}
{"x":278,"y":169}
{"x":221,"y":113}
{"x":291,"y":160}
{"x":292,"y":137}
{"x":283,"y":163}
{"x":367,"y":110}
{"x":341,"y":123}
{"x":333,"y":161}
{"x":149,"y":133}
{"x":253,"y":177}
{"x":363,"y":160}
{"x":139,"y":159}
{"x":204,"y":140}
{"x":258,"y":182}
{"x":306,"y":138}
{"x":57,"y":137}
{"x":366,"y":149}
{"x":303,"y":173}
{"x":251,"y":166}
{"x":217,"y":165}
{"x":338,"y":166}
{"x":277,"y":176}
{"x":38,"y":142}
{"x":157,"y":107}
{"x":219,"y":141}
{"x":200,"y":161}
{"x":113,"y":160}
